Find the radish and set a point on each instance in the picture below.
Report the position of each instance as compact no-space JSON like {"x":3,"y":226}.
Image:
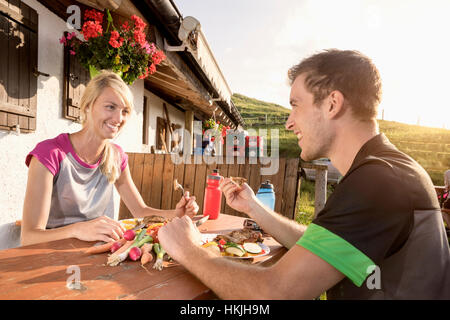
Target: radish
{"x":135,"y":253}
{"x":116,"y":258}
{"x":116,"y":246}
{"x":129,"y":235}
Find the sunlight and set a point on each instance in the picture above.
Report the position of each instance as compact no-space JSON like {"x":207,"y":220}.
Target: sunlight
{"x":405,"y":39}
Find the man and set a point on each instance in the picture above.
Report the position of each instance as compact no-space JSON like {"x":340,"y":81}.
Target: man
{"x":381,"y":224}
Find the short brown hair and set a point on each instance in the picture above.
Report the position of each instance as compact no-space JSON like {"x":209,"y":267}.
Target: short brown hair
{"x":348,"y":71}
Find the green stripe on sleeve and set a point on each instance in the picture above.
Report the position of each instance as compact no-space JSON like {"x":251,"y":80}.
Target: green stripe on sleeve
{"x":337,"y":252}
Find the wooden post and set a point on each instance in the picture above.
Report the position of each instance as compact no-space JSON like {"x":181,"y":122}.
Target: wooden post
{"x":320,"y":196}
{"x":297,"y":198}
{"x":320,"y":190}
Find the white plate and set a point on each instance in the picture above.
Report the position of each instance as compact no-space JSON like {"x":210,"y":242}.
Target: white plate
{"x":130,"y":223}
{"x":207,"y":237}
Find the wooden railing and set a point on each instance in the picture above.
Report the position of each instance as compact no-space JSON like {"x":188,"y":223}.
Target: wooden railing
{"x":154,"y":174}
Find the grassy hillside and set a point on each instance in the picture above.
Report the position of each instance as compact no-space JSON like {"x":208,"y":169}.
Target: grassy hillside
{"x":251,"y":108}
{"x":428,"y":146}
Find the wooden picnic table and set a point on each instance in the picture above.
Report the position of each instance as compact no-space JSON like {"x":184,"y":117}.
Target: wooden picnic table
{"x":41,"y":271}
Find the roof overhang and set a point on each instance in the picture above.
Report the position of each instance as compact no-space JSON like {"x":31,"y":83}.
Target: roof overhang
{"x":206,"y":79}
{"x":190,"y":79}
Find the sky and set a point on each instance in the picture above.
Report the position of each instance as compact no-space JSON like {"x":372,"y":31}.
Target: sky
{"x":255,"y":42}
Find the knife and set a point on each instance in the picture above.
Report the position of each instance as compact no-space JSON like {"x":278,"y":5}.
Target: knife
{"x":197,"y":223}
{"x":201,"y":221}
{"x":139,"y":226}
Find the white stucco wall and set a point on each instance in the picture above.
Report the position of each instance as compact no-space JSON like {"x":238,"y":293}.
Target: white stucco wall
{"x":50,"y":123}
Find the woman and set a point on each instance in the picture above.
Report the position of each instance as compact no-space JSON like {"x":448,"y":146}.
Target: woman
{"x":70,"y":179}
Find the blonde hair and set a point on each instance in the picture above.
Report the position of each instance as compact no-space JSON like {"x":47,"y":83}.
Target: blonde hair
{"x":111,"y":161}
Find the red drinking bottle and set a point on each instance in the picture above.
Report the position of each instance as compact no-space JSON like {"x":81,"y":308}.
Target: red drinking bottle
{"x":213,"y":196}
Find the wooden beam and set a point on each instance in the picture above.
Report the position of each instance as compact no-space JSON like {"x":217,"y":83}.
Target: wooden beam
{"x":16,"y":109}
{"x":173,"y":89}
{"x":165,"y":75}
{"x":171,"y":84}
{"x":191,"y":96}
{"x":182,"y":71}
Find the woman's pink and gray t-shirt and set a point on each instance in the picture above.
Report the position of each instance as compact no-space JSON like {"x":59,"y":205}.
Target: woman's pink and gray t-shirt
{"x":80,"y":191}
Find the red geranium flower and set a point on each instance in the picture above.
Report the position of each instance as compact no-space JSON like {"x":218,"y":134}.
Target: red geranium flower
{"x":158,"y":56}
{"x":91,"y":29}
{"x":152,"y":68}
{"x":128,"y":51}
{"x":93,"y":15}
{"x":113,"y":40}
{"x":125,"y":26}
{"x":139,"y":37}
{"x":138,"y":23}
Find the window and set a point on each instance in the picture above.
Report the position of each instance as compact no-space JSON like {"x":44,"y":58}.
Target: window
{"x":168,"y":137}
{"x":18,"y":66}
{"x":76,"y":77}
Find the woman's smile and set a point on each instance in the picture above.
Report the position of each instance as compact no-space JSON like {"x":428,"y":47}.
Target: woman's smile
{"x":113,"y":128}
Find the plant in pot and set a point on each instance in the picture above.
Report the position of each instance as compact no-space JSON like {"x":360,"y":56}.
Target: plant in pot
{"x":123,"y":50}
{"x":213,"y":130}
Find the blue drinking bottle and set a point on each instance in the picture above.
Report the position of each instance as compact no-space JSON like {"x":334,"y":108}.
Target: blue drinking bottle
{"x":266,"y":194}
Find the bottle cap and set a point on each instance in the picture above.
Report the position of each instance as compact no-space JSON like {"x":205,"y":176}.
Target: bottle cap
{"x":267,"y":185}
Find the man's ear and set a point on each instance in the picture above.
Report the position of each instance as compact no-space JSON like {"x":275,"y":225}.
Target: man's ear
{"x":335,"y":106}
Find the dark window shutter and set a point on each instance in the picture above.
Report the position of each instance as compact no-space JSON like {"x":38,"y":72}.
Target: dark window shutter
{"x":18,"y":65}
{"x":145,"y":122}
{"x":76,"y":78}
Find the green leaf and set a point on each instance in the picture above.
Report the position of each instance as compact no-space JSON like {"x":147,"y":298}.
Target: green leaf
{"x":110,"y":19}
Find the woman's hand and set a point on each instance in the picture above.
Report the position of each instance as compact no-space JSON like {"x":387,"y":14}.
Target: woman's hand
{"x":186,"y":206}
{"x":100,"y":229}
{"x":238,"y":197}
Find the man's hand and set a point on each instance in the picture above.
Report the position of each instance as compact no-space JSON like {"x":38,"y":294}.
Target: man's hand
{"x":186,"y":206}
{"x":238,"y":197}
{"x":178,"y":236}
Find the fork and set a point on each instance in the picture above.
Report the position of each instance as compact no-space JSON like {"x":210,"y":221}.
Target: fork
{"x":177,"y":185}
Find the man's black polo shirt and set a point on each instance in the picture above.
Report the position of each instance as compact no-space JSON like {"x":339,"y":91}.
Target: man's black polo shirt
{"x":383,"y":220}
